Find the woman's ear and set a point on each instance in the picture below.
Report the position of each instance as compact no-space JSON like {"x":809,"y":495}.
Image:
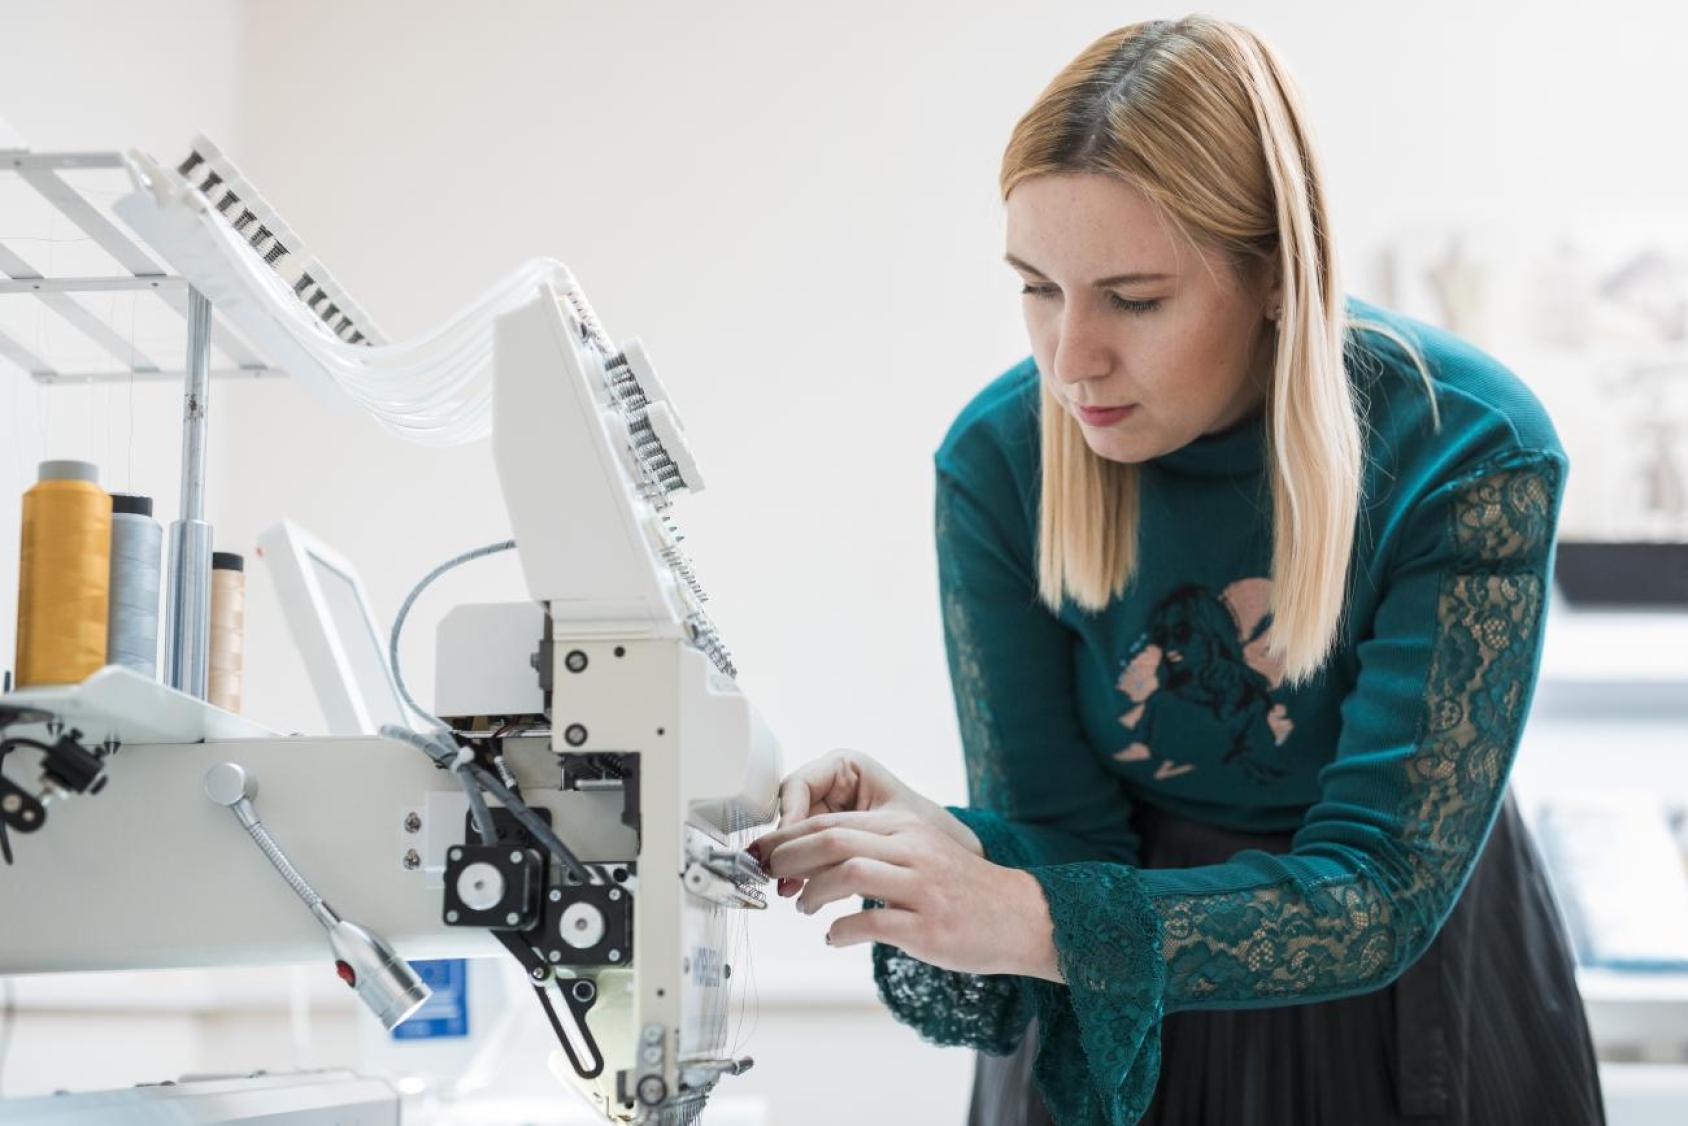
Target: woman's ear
{"x":1273,"y":301}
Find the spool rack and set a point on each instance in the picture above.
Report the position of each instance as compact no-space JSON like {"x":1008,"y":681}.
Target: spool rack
{"x":107,"y":258}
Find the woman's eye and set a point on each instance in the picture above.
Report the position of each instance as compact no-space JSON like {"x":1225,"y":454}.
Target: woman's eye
{"x":1038,"y":290}
{"x":1127,"y":305}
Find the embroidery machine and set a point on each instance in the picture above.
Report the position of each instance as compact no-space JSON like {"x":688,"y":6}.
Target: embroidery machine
{"x":582,"y":801}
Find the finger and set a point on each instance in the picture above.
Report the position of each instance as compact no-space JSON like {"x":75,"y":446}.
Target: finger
{"x":828,"y":782}
{"x":891,"y":925}
{"x":873,"y":820}
{"x":859,"y":875}
{"x":812,"y":854}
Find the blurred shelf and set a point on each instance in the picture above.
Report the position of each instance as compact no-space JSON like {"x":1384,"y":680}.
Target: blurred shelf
{"x":1635,"y":1010}
{"x":118,"y":703}
{"x":1614,"y":661}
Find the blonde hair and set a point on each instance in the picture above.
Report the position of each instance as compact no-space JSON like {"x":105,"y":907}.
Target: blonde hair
{"x":1202,"y":117}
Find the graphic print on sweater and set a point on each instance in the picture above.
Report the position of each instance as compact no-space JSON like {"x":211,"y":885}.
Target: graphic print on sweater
{"x":1204,"y":653}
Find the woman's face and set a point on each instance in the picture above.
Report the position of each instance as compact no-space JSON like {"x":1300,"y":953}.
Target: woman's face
{"x":1124,"y":313}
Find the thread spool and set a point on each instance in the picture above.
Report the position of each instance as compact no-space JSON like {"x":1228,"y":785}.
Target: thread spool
{"x":136,"y":579}
{"x":64,"y":576}
{"x":228,"y":628}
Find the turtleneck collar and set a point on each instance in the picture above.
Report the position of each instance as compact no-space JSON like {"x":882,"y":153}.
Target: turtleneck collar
{"x":1236,"y":451}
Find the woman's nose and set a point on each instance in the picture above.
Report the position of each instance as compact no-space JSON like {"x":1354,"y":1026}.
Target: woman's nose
{"x":1080,"y":352}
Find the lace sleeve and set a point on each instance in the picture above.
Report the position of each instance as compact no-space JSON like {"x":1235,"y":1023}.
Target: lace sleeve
{"x":1447,"y":670}
{"x":1039,"y":793}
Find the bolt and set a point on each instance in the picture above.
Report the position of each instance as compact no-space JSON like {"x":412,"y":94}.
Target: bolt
{"x":451,"y":916}
{"x":539,"y":973}
{"x":652,"y":1090}
{"x":412,"y":823}
{"x":555,"y":955}
{"x":456,"y":854}
{"x":575,"y":734}
{"x":615,"y":955}
{"x":615,"y":894}
{"x":575,"y":661}
{"x":515,"y":858}
{"x":412,"y":860}
{"x":512,"y":918}
{"x":556,"y":896}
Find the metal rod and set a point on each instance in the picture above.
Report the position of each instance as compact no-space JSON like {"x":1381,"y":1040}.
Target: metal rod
{"x":88,"y":285}
{"x":62,"y":160}
{"x":52,"y":377}
{"x":188,"y":606}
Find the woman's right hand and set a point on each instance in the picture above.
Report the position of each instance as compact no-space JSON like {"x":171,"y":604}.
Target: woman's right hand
{"x":851,"y":780}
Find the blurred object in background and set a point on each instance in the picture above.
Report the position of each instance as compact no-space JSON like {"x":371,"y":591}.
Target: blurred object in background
{"x":1593,"y":315}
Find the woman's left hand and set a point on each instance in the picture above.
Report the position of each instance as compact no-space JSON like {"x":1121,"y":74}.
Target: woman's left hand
{"x":943,"y":905}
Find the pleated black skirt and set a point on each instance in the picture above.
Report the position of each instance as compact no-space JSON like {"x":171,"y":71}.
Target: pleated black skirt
{"x":1485,"y":1029}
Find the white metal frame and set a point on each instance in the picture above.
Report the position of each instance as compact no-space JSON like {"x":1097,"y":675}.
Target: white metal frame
{"x":41,"y":171}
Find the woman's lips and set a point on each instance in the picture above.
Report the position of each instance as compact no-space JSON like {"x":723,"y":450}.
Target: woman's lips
{"x":1102,"y":416}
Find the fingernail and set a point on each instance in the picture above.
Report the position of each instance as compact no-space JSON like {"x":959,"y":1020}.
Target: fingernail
{"x":829,"y":938}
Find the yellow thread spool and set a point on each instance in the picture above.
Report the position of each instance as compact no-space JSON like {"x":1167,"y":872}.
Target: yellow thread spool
{"x":64,"y":576}
{"x":228,"y":628}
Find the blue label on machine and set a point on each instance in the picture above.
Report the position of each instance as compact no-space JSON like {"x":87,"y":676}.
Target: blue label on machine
{"x":446,"y":1012}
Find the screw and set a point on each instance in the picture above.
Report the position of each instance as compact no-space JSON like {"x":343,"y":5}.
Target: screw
{"x":653,"y":1033}
{"x":451,"y":916}
{"x":456,"y":854}
{"x":412,"y":860}
{"x":515,"y":858}
{"x":556,"y":896}
{"x":615,"y":955}
{"x":726,"y":970}
{"x":575,"y":661}
{"x":539,"y":973}
{"x":512,"y":918}
{"x":555,"y":955}
{"x":584,"y":991}
{"x":615,"y":894}
{"x":575,"y":734}
{"x":653,"y":1056}
{"x":412,"y":823}
{"x":11,"y":803}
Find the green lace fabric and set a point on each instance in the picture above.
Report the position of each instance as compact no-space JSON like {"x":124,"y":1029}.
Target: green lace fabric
{"x":1447,"y":669}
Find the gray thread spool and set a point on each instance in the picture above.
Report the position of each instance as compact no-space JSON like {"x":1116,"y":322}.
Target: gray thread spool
{"x":136,"y":578}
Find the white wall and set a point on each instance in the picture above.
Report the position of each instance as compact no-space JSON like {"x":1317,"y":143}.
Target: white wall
{"x":794,"y":206}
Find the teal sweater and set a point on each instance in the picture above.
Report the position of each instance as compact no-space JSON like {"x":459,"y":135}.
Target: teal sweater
{"x":1389,"y":765}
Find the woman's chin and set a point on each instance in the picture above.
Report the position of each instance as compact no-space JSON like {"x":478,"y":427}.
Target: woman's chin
{"x":1114,"y":446}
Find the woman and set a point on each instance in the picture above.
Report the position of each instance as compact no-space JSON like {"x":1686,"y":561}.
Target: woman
{"x":1243,"y":590}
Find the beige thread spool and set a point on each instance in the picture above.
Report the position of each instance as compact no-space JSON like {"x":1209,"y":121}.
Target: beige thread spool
{"x":64,"y":576}
{"x":228,"y":629}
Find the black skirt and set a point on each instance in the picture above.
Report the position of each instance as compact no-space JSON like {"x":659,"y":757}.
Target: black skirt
{"x":1485,"y":1029}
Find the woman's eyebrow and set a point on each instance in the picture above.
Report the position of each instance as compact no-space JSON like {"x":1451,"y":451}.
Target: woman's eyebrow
{"x":1100,"y":283}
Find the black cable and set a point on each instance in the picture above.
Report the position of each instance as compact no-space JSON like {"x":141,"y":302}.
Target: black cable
{"x":477,"y":807}
{"x":443,"y":753}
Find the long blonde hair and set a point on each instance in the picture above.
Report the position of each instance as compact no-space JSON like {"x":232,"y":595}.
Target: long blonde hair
{"x":1202,"y":117}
